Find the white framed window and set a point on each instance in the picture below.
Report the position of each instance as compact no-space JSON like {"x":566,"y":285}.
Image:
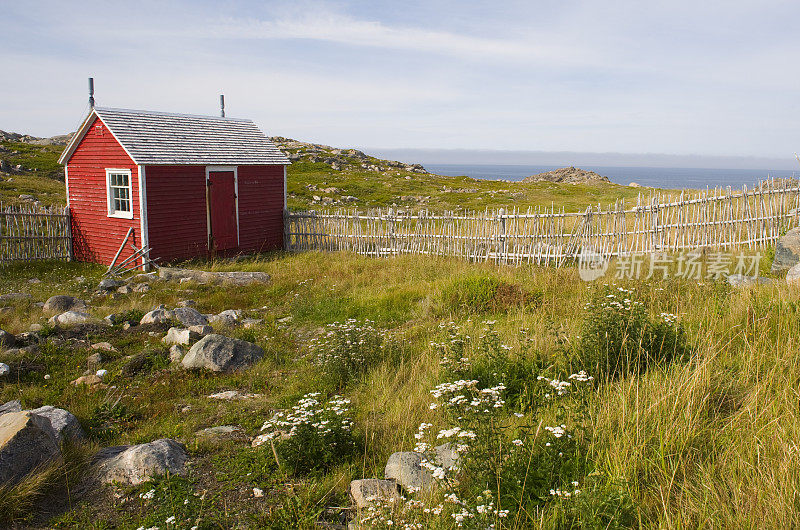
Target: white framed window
{"x":118,"y":189}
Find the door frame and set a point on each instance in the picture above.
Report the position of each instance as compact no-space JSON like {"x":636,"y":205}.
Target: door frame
{"x":224,"y":169}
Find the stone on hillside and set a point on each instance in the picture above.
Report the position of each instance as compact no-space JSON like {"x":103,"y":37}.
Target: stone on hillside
{"x":222,"y":354}
{"x":105,"y":346}
{"x":62,"y":302}
{"x":446,"y":456}
{"x":176,"y":353}
{"x":35,"y":327}
{"x":15,"y":297}
{"x":180,"y":336}
{"x":157,"y":316}
{"x":189,"y":316}
{"x":230,"y":395}
{"x":740,"y":280}
{"x":71,"y":318}
{"x":794,"y":274}
{"x":134,"y":464}
{"x":93,"y":361}
{"x":64,"y":423}
{"x":229,"y":317}
{"x":250,"y":323}
{"x":237,"y":278}
{"x":125,"y":289}
{"x":202,"y":330}
{"x":223,"y":433}
{"x":140,"y":288}
{"x":7,"y":340}
{"x":11,"y":406}
{"x":93,"y":381}
{"x":787,"y":251}
{"x":4,"y":369}
{"x":405,"y":467}
{"x":187,"y":303}
{"x":109,"y":284}
{"x":27,"y":440}
{"x":367,"y":490}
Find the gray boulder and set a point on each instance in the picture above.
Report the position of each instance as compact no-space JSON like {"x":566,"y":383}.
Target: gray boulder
{"x":365,"y":491}
{"x":229,"y":317}
{"x":10,"y":406}
{"x":70,"y":318}
{"x":62,"y":302}
{"x":157,"y":316}
{"x":405,"y":468}
{"x":740,"y":280}
{"x":202,"y":330}
{"x":134,"y":464}
{"x":176,"y":353}
{"x":109,"y":284}
{"x":180,"y":336}
{"x":189,"y":316}
{"x":6,"y":339}
{"x":792,"y":276}
{"x":65,"y":425}
{"x":222,"y":354}
{"x":787,"y":251}
{"x":27,"y":441}
{"x":223,"y":433}
{"x":446,"y":456}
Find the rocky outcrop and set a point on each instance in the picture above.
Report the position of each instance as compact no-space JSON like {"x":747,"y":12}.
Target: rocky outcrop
{"x":405,"y":468}
{"x":64,"y":423}
{"x":189,"y":316}
{"x":365,"y":492}
{"x":70,"y":318}
{"x":134,"y":464}
{"x":27,"y":440}
{"x":222,"y":354}
{"x":787,"y":251}
{"x":239,"y":278}
{"x":62,"y":302}
{"x":159,"y":315}
{"x":567,"y":175}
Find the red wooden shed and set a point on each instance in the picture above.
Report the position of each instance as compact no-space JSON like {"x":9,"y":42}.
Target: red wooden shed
{"x":187,"y":185}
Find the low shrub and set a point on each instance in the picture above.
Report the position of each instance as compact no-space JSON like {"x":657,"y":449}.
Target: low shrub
{"x":348,"y":350}
{"x":313,"y":435}
{"x":618,"y":337}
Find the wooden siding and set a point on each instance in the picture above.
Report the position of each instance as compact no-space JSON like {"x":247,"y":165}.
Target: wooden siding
{"x":96,"y":236}
{"x":260,"y":208}
{"x":176,"y":212}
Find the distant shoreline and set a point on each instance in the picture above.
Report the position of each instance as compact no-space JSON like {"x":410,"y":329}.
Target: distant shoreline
{"x":656,"y":177}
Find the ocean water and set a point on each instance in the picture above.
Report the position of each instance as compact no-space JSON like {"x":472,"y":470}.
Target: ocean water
{"x":657,"y":177}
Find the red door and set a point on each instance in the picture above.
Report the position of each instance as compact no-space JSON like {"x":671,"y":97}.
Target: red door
{"x":223,"y":210}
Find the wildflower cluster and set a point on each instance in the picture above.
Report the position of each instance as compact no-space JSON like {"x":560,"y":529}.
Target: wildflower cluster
{"x":313,"y":434}
{"x":348,"y":349}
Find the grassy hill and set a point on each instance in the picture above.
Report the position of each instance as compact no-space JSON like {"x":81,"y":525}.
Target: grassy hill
{"x":325,"y":177}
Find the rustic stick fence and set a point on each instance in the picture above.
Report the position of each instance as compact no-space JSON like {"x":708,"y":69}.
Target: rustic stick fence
{"x":30,"y":233}
{"x":716,"y":219}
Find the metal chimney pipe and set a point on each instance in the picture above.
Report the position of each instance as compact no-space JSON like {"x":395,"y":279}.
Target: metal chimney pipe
{"x":91,"y":92}
{"x":222,"y":105}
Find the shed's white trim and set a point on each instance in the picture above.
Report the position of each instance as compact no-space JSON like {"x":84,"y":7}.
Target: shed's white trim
{"x":226,"y":169}
{"x":109,"y":197}
{"x":145,"y":239}
{"x":82,"y":130}
{"x":66,"y":182}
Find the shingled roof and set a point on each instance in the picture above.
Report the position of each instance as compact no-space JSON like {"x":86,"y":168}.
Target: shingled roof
{"x":160,"y":138}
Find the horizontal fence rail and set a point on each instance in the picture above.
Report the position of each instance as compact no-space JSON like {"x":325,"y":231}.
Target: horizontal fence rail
{"x":716,"y":219}
{"x":30,"y":233}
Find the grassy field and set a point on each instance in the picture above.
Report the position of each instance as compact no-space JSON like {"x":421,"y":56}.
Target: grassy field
{"x":690,"y":420}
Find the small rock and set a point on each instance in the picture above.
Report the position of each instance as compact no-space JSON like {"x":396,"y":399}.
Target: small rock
{"x":92,"y":381}
{"x":258,"y":493}
{"x":222,"y":354}
{"x":105,"y":346}
{"x":7,"y":340}
{"x":787,"y":251}
{"x":226,"y":318}
{"x":134,"y":464}
{"x":157,"y":316}
{"x":180,"y":336}
{"x":405,"y":468}
{"x":26,"y":441}
{"x":4,"y":369}
{"x":125,"y":289}
{"x":176,"y":353}
{"x":10,"y":406}
{"x":201,"y":330}
{"x":62,"y":302}
{"x":189,"y":316}
{"x":15,"y":297}
{"x":740,"y":280}
{"x":140,"y":288}
{"x":102,"y":373}
{"x":250,"y":323}
{"x":34,"y":280}
{"x":35,"y":328}
{"x":64,"y":423}
{"x":230,"y":395}
{"x":634,"y":185}
{"x":365,"y":491}
{"x":109,"y":284}
{"x":223,"y":433}
{"x":187,"y":303}
{"x":70,"y":318}
{"x":93,"y":361}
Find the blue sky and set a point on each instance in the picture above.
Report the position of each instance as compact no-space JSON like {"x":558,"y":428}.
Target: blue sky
{"x":679,"y":77}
